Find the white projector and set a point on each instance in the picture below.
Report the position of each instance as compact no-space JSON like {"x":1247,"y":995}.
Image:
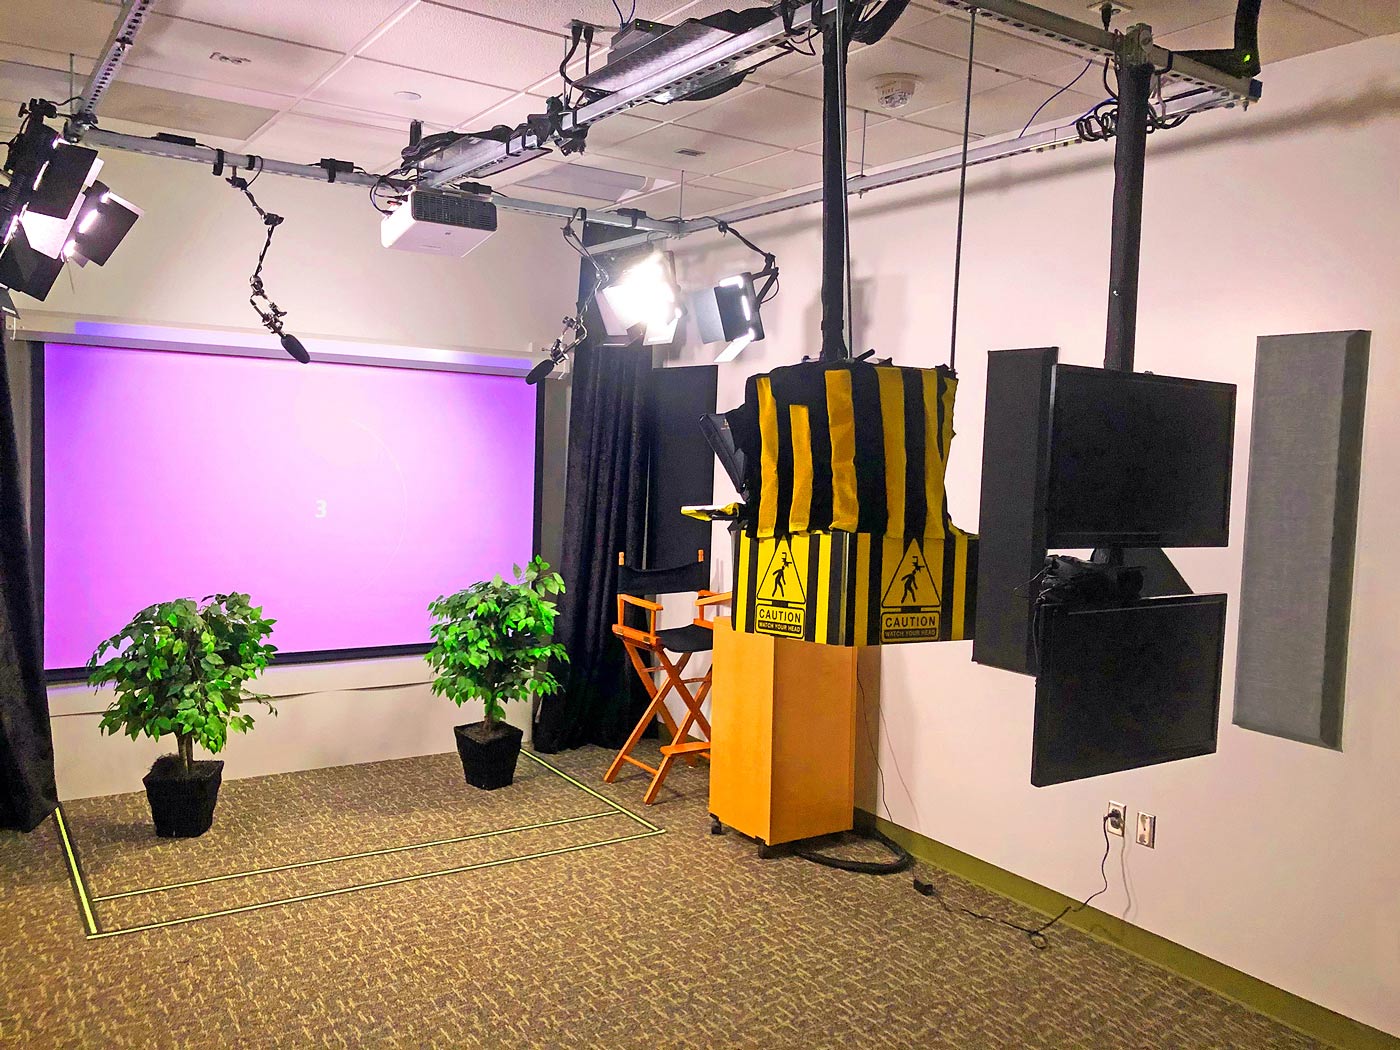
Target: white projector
{"x":438,"y":221}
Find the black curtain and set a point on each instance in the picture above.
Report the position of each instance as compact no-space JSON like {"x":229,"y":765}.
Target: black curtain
{"x":604,"y":513}
{"x":605,"y":501}
{"x":27,"y":791}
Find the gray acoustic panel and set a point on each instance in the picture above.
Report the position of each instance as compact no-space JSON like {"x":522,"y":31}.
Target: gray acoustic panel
{"x":1300,"y":534}
{"x":1011,"y":518}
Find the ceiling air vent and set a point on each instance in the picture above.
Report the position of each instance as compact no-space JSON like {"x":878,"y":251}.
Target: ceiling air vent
{"x":690,"y":152}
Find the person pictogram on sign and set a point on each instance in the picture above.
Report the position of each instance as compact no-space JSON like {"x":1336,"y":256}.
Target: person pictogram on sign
{"x":911,"y":583}
{"x":778,"y":576}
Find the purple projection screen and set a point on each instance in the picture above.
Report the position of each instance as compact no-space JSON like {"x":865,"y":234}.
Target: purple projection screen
{"x":343,"y":498}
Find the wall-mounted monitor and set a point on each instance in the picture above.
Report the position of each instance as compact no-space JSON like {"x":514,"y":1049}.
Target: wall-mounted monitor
{"x":1126,"y":686}
{"x":1138,"y":460}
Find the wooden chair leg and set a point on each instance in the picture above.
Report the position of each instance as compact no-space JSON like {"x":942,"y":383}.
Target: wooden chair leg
{"x":657,"y":705}
{"x":682,"y":746}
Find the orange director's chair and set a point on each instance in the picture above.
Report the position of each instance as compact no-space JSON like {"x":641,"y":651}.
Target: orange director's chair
{"x":696,"y":637}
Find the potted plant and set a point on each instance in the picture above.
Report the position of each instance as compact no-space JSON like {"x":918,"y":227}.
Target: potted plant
{"x":180,"y":668}
{"x":492,"y":642}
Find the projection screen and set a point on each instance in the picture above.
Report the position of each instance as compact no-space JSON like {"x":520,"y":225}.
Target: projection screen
{"x":343,"y":498}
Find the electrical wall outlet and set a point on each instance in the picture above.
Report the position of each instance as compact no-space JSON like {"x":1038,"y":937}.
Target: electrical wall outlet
{"x":1147,"y":830}
{"x":1117,"y":818}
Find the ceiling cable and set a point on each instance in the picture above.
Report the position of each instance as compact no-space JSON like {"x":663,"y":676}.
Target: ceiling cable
{"x":962,"y":196}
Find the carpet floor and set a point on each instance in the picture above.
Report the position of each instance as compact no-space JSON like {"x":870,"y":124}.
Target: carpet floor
{"x":371,"y":906}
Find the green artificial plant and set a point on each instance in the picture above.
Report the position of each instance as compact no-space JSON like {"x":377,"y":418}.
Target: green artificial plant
{"x":493,"y":641}
{"x":181,"y":668}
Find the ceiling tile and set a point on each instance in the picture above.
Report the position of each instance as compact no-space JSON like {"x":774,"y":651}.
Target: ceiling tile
{"x":306,"y":140}
{"x":554,"y":15}
{"x":942,"y":78}
{"x":1010,"y":52}
{"x":618,"y":128}
{"x":160,"y":108}
{"x":248,"y":96}
{"x":696,"y":200}
{"x":1284,"y":32}
{"x":763,"y":114}
{"x":792,"y":170}
{"x":718,"y":152}
{"x":177,"y":111}
{"x":172,"y":45}
{"x":1164,"y":16}
{"x":1372,"y":17}
{"x":349,"y":115}
{"x":78,"y":27}
{"x":460,"y":44}
{"x":19,"y":82}
{"x":511,"y":112}
{"x":782,"y":68}
{"x":1007,"y":108}
{"x":660,"y":173}
{"x":523,"y":171}
{"x":894,"y":140}
{"x":331,"y":24}
{"x":739,"y":189}
{"x":363,"y":84}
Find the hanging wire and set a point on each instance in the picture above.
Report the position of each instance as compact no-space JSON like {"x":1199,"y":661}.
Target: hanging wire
{"x":1087,"y":66}
{"x":962,"y":196}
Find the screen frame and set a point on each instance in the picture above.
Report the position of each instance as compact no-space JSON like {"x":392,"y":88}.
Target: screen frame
{"x":37,"y":502}
{"x":1217,"y":536}
{"x":1045,"y":772}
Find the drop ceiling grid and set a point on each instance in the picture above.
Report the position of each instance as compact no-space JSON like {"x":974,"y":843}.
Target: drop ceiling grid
{"x":315,"y":44}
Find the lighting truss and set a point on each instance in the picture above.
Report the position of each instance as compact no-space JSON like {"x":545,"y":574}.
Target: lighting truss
{"x":465,"y":159}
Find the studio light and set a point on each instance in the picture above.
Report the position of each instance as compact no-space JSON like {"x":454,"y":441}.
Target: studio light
{"x":729,"y":313}
{"x":103,"y":221}
{"x":47,"y":233}
{"x":62,"y":178}
{"x":643,"y":298}
{"x":26,"y":270}
{"x":53,"y":211}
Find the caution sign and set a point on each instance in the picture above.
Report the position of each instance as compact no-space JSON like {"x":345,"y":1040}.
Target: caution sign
{"x":910,"y":602}
{"x":780,"y":603}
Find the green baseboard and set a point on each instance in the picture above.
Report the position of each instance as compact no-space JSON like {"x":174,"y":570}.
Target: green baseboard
{"x":1296,"y":1012}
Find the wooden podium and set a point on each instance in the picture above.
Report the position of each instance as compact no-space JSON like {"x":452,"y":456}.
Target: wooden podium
{"x":783,"y":736}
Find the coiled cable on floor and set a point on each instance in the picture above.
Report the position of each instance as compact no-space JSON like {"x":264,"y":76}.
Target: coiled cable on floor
{"x":901,"y":861}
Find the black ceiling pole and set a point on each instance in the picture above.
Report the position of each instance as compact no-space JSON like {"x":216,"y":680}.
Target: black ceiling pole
{"x":1129,"y":163}
{"x":834,"y":231}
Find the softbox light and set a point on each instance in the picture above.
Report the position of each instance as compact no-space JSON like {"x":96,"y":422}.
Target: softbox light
{"x":729,"y":313}
{"x":23,"y":269}
{"x":642,"y":299}
{"x":62,"y":178}
{"x":102,"y":222}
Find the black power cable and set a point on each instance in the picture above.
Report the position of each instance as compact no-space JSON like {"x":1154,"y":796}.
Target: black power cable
{"x":1035,"y":934}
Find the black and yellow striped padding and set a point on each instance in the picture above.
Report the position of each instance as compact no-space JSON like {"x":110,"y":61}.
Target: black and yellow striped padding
{"x":857,"y":589}
{"x":848,"y":447}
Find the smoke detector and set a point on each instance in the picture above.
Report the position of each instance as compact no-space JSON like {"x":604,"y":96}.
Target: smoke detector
{"x":894,"y":90}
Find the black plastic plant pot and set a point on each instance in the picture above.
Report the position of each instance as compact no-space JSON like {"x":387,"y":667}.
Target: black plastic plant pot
{"x":182,"y":803}
{"x":489,"y":753}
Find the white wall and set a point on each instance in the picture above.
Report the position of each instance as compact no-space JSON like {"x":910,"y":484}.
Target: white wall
{"x":187,"y":263}
{"x":188,"y":260}
{"x":1277,"y":858}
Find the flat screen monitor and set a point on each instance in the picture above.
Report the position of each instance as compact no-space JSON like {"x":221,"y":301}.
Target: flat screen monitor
{"x":1126,"y":686}
{"x":1139,"y":460}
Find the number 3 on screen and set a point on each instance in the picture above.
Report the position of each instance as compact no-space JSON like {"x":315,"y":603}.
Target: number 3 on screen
{"x":320,"y":508}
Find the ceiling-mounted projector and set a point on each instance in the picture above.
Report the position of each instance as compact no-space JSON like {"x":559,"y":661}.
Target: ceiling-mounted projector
{"x":442,"y":222}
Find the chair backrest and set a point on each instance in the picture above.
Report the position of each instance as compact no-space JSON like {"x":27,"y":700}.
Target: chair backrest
{"x":694,"y":576}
